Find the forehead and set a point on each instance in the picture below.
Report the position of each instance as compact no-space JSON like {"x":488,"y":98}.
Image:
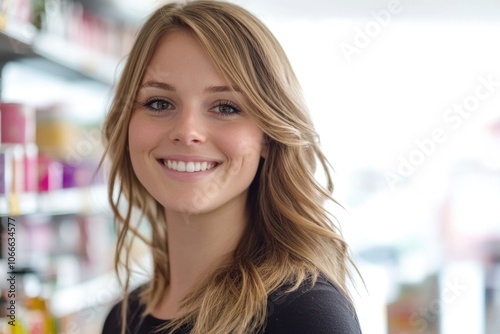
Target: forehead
{"x":178,"y":51}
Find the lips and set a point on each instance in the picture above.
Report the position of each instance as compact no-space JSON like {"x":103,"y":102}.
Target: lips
{"x":188,"y":166}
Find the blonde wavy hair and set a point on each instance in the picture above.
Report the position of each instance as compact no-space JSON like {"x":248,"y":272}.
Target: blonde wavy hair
{"x":292,"y":238}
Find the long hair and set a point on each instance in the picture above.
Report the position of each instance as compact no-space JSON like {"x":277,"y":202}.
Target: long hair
{"x":291,"y":238}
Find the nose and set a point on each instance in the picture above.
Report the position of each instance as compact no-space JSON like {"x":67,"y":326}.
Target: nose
{"x":188,"y":128}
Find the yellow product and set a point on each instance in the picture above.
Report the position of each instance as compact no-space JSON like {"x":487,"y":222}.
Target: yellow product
{"x":17,"y":327}
{"x":3,"y":25}
{"x":54,"y":137}
{"x":40,"y":320}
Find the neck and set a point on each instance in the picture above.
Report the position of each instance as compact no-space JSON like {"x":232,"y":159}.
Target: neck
{"x":197,"y":245}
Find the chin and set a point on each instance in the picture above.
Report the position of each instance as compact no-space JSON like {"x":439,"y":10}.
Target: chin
{"x":191,"y":206}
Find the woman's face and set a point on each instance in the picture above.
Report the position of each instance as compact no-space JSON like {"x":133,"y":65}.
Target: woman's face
{"x":191,"y":144}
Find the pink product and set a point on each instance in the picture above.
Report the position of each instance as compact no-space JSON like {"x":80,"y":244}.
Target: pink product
{"x":21,"y":10}
{"x":50,"y":174}
{"x":18,"y":123}
{"x":30,"y":168}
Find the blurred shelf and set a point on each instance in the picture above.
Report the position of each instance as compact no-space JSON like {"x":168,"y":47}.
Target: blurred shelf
{"x":16,"y":39}
{"x":98,"y":292}
{"x":86,"y":295}
{"x":58,"y":202}
{"x":96,"y":66}
{"x":22,"y":41}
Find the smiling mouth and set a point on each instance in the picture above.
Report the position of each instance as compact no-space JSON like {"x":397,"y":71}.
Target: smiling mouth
{"x":188,"y":166}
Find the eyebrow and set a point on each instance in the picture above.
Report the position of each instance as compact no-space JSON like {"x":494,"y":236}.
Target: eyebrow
{"x":221,"y":89}
{"x":170,"y":88}
{"x":157,"y":84}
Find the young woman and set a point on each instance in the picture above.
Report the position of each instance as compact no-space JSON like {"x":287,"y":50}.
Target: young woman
{"x":209,"y":138}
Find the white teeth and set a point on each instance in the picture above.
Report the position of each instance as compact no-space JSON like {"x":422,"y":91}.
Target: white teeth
{"x":189,"y":167}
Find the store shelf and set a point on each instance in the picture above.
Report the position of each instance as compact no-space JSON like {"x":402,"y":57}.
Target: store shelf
{"x":21,"y":41}
{"x":16,"y":39}
{"x":57,"y":202}
{"x":66,"y":235}
{"x":99,"y":67}
{"x":96,"y":292}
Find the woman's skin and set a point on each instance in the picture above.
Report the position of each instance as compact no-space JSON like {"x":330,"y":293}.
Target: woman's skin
{"x":185,"y":112}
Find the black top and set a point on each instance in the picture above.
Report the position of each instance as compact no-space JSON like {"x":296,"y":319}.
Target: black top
{"x":322,"y":309}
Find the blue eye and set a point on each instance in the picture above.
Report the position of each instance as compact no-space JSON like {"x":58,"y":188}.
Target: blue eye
{"x":157,"y":104}
{"x":226,"y":108}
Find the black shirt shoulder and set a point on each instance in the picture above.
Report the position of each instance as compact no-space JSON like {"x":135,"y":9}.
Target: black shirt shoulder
{"x":134,"y":312}
{"x":136,"y":322}
{"x":319,"y":309}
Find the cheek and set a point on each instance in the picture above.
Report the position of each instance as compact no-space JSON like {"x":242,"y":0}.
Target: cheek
{"x":243,"y":148}
{"x":141,"y":135}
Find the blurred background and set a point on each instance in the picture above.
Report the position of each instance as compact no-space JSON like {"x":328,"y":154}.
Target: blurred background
{"x":405,"y":96}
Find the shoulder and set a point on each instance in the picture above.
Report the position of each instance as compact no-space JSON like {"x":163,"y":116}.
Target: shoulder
{"x":322,"y":308}
{"x":112,"y":325}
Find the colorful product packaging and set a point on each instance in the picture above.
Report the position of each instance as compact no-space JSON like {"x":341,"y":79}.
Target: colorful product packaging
{"x":50,"y":174}
{"x":30,"y":168}
{"x":18,"y":123}
{"x":13,"y":169}
{"x":18,"y":168}
{"x":12,"y":177}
